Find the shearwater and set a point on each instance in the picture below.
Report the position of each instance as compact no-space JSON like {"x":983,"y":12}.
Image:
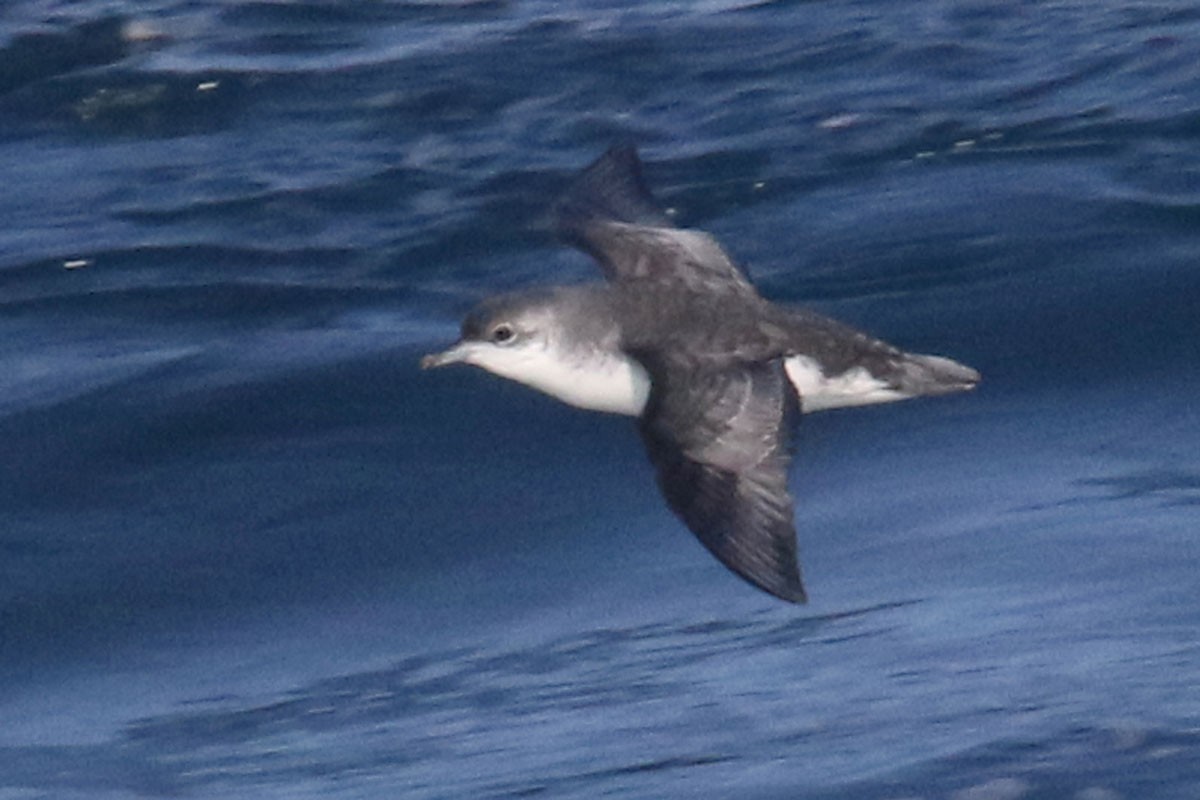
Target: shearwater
{"x":715,"y":374}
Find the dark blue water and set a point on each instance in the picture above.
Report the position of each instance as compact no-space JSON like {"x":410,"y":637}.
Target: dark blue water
{"x":248,"y":549}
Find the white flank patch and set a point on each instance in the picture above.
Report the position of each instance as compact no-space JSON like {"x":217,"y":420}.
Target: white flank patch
{"x":854,"y":387}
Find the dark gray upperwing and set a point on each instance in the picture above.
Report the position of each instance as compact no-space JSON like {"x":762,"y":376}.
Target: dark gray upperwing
{"x":610,"y":189}
{"x":719,"y":439}
{"x":609,"y":213}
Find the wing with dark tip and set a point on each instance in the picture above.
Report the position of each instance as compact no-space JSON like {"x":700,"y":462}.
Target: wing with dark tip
{"x":718,"y":438}
{"x":608,"y":212}
{"x":610,"y":189}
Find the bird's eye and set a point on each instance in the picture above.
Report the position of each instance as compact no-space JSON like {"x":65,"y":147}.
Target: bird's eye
{"x":502,"y":334}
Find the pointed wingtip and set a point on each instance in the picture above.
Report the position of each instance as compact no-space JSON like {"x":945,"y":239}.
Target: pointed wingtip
{"x":611,"y":188}
{"x":794,"y":594}
{"x":625,"y":153}
{"x":786,"y":585}
{"x":621,"y":157}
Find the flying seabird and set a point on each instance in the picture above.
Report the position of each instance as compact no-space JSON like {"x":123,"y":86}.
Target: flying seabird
{"x":715,"y":374}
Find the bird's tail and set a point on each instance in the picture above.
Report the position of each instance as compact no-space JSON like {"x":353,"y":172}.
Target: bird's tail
{"x":919,"y":375}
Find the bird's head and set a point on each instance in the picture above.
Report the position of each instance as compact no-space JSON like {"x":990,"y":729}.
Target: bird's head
{"x":561,"y":341}
{"x":510,"y":335}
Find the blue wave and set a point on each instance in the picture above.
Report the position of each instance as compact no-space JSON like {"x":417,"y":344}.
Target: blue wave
{"x":246,"y":546}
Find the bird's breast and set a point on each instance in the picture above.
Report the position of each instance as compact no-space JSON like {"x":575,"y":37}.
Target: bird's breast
{"x":612,"y":383}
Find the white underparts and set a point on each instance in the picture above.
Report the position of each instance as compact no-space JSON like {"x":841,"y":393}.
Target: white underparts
{"x":601,"y":382}
{"x":617,"y":384}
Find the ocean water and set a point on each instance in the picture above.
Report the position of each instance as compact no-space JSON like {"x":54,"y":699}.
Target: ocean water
{"x":248,"y":549}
